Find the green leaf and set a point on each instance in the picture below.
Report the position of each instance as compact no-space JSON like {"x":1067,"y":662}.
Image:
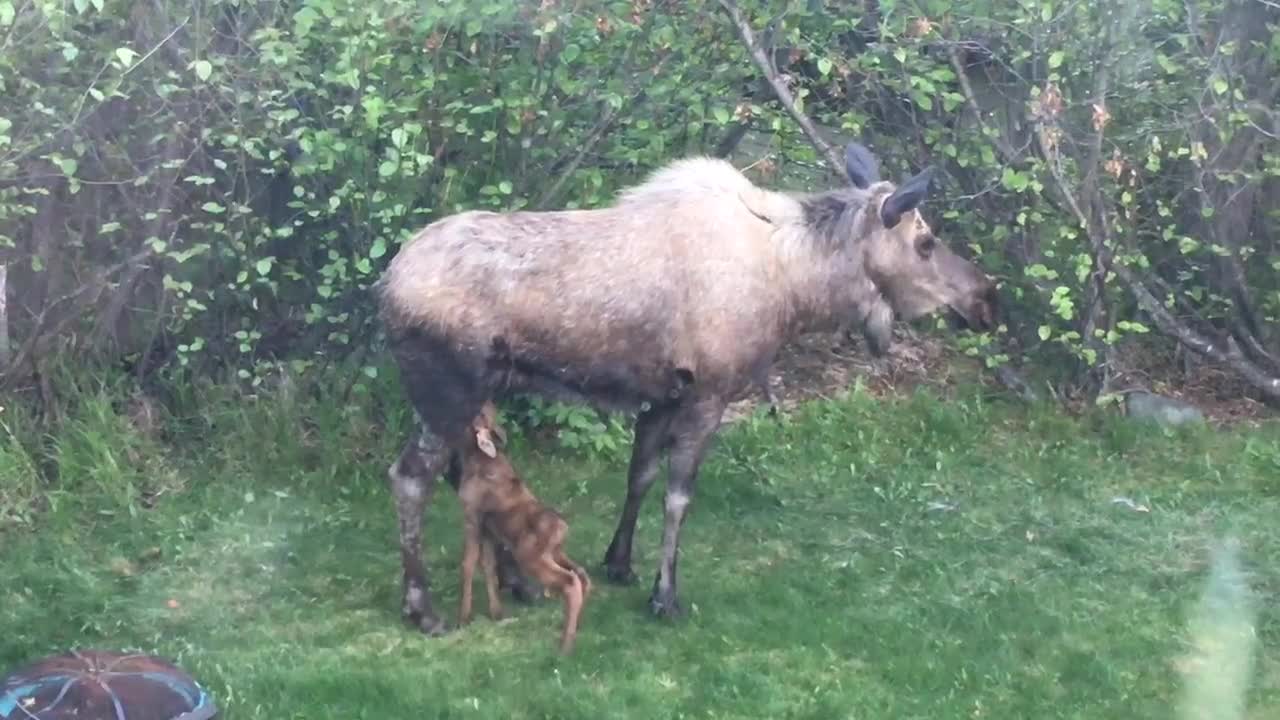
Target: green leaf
{"x":1045,"y":331}
{"x":126,"y":56}
{"x":263,"y":266}
{"x":7,"y":13}
{"x":388,"y":168}
{"x":203,"y":69}
{"x":1013,"y":180}
{"x":369,"y":371}
{"x":721,"y":114}
{"x":1220,"y":85}
{"x":1055,"y":59}
{"x":504,"y":187}
{"x":212,"y":207}
{"x":378,"y":249}
{"x":824,"y":66}
{"x":570,"y":52}
{"x":397,"y":137}
{"x":68,"y":166}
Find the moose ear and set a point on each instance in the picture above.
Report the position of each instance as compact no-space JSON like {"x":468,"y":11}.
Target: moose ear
{"x":861,"y":165}
{"x":906,"y":198}
{"x":485,"y":443}
{"x":501,"y":435}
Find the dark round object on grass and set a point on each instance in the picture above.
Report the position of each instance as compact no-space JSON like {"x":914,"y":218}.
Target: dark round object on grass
{"x":103,"y":685}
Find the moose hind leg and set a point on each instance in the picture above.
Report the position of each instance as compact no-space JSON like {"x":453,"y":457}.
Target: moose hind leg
{"x":651,"y":438}
{"x":412,"y":477}
{"x":693,"y":430}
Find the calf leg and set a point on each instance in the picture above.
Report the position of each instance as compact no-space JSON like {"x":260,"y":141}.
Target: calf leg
{"x":569,"y":586}
{"x":490,"y":578}
{"x":564,"y":562}
{"x":651,"y":438}
{"x":470,"y":553}
{"x":692,"y":429}
{"x":413,"y":478}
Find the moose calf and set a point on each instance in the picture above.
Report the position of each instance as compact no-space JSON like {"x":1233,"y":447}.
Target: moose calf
{"x":492,"y":493}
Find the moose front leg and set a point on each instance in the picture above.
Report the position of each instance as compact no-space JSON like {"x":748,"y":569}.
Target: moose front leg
{"x":692,"y":430}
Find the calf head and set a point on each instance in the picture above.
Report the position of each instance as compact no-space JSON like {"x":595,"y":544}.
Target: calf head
{"x":486,"y":433}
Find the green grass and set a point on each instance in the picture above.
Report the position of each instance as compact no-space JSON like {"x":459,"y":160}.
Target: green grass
{"x":862,"y":559}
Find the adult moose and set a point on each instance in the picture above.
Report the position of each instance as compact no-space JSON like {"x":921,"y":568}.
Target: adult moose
{"x":695,"y":274}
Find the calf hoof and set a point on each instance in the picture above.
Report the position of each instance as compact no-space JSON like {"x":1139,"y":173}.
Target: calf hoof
{"x":525,"y":592}
{"x":665,"y":605}
{"x":427,"y":624}
{"x":620,"y":574}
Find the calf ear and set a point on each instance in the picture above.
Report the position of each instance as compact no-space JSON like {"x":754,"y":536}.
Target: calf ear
{"x":906,"y":198}
{"x":485,"y":443}
{"x":860,"y":165}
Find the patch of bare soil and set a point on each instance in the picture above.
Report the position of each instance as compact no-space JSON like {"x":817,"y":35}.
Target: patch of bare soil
{"x":823,"y":365}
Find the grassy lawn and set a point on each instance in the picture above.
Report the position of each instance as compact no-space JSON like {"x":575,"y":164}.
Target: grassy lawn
{"x":864,"y":558}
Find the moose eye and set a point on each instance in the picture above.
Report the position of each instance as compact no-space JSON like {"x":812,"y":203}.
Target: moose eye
{"x":925,"y":245}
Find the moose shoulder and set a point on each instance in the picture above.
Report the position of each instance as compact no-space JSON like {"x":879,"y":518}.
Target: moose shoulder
{"x":693,"y":278}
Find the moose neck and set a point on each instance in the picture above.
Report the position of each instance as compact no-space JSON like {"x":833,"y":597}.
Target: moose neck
{"x":828,"y":285}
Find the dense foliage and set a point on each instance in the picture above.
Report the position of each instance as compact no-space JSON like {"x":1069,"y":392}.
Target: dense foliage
{"x":212,"y":185}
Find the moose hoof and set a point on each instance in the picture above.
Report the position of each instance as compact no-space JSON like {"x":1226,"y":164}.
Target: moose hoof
{"x":666,"y":606}
{"x":620,"y":574}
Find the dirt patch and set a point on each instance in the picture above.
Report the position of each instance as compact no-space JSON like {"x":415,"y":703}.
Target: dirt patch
{"x":822,"y":365}
{"x":1223,"y":397}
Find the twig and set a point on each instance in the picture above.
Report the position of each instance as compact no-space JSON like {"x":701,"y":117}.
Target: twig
{"x":779,"y":87}
{"x":157,"y":46}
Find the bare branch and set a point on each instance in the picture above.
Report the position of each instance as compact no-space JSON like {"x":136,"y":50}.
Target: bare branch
{"x":762,"y":61}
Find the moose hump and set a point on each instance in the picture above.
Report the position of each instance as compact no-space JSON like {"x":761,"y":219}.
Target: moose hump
{"x":103,"y":685}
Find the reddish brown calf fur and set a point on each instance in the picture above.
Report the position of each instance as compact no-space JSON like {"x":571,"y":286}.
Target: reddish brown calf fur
{"x":491,"y":492}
